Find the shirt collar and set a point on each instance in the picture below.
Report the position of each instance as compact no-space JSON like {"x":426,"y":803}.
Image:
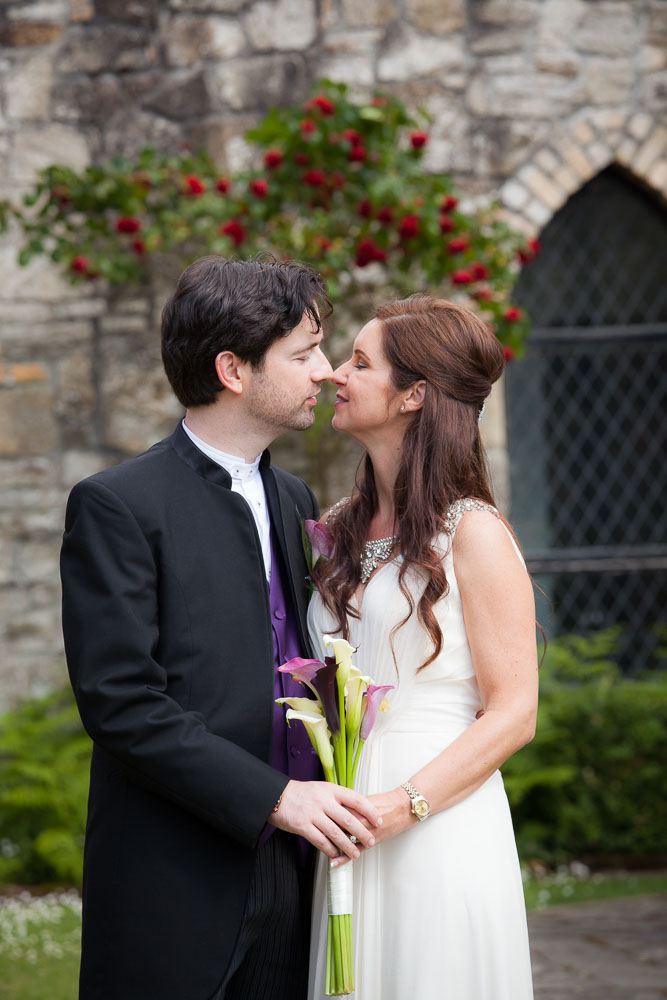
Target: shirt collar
{"x":236,"y":466}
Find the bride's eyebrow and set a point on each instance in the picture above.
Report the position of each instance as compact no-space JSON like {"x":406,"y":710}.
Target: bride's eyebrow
{"x":361,"y":354}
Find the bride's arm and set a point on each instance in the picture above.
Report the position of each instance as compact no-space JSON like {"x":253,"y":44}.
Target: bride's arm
{"x":499,"y":615}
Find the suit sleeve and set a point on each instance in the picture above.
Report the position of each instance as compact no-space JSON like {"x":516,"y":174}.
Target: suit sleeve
{"x":110,"y":625}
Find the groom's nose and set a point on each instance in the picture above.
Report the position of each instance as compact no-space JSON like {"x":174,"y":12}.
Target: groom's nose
{"x":322,"y":370}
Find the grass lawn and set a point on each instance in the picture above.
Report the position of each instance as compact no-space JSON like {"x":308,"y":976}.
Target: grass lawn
{"x":39,"y":946}
{"x":39,"y":936}
{"x":575,"y":884}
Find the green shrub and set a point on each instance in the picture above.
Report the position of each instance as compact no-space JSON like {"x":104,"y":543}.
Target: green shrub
{"x":593,"y":780}
{"x":44,"y":764}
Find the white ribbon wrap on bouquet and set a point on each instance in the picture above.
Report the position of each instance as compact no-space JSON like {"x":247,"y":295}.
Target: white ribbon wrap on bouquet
{"x":339,"y":890}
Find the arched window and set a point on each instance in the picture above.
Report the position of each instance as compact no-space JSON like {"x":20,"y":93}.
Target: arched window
{"x":587,"y":417}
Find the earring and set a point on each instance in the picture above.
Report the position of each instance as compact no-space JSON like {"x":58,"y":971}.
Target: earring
{"x":402,"y":407}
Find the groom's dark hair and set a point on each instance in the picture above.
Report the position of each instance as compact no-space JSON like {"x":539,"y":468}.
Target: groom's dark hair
{"x":233,"y":305}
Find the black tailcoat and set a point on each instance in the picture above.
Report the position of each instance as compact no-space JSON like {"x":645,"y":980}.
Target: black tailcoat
{"x":170,"y":652}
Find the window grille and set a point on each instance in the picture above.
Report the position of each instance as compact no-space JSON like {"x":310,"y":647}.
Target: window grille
{"x":587,"y":419}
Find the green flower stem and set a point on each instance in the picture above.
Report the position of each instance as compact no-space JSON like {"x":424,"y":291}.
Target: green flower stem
{"x":338,"y":954}
{"x":350,"y":757}
{"x":342,"y":769}
{"x":355,"y":763}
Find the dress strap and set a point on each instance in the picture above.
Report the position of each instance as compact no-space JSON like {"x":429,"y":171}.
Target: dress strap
{"x":456,"y":511}
{"x":336,"y":507}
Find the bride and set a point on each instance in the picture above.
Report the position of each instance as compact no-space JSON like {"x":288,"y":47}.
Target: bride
{"x":427,"y":581}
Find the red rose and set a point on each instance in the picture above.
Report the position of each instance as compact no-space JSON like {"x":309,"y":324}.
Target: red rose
{"x":307,"y":125}
{"x":222,"y":185}
{"x":322,"y":243}
{"x":320,"y":103}
{"x":61,"y":194}
{"x":195,"y":185}
{"x":336,"y":179}
{"x":483,"y":294}
{"x":357,"y":154}
{"x":141,"y":177}
{"x":529,"y":252}
{"x":128,"y":224}
{"x":365,"y":209}
{"x":418,"y":139}
{"x":479,"y":271}
{"x":301,"y":159}
{"x":139,"y":247}
{"x":449,"y":203}
{"x":408,"y":227}
{"x":234,"y":230}
{"x":368,"y":251}
{"x":386,"y":214}
{"x":351,"y":135}
{"x":462,"y":277}
{"x":509,"y":353}
{"x":80,"y":265}
{"x":273,"y":158}
{"x":314,"y":178}
{"x":458,"y":245}
{"x":378,"y":101}
{"x":512,"y":314}
{"x":259,"y":187}
{"x":446,"y":224}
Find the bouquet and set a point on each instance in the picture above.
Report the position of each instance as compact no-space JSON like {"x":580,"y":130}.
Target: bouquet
{"x":338,"y":722}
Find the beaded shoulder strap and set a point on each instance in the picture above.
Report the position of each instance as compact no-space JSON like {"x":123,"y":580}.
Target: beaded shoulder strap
{"x":336,"y":507}
{"x":459,"y":508}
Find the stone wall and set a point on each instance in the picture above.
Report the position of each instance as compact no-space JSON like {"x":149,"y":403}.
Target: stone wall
{"x":530,"y":98}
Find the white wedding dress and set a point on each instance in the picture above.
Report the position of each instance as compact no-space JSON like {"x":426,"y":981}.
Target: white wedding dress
{"x":439,"y":910}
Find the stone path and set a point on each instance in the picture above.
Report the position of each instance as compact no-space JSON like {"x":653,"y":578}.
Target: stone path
{"x":612,"y":950}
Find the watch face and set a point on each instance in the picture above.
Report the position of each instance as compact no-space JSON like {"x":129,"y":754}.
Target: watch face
{"x":421,"y":808}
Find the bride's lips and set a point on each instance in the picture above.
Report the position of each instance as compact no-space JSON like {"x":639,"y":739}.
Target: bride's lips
{"x":339,"y":399}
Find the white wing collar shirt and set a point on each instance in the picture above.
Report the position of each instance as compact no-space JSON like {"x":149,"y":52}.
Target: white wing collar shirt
{"x":247,"y":482}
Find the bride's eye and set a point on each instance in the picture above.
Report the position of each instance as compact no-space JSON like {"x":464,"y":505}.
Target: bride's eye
{"x":359,"y":364}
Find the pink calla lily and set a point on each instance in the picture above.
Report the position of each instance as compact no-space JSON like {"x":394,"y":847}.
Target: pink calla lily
{"x":320,"y":539}
{"x":303,"y":671}
{"x":375,"y":694}
{"x":321,"y":679}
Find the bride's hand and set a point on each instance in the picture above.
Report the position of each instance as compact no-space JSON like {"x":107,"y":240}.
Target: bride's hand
{"x":394,"y":808}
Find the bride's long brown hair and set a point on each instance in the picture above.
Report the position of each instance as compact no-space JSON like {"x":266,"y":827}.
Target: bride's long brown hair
{"x":442,"y":458}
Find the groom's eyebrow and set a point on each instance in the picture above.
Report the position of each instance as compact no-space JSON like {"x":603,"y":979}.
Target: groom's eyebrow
{"x":314,"y":341}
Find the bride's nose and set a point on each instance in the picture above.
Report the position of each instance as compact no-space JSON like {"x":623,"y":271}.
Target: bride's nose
{"x":339,"y":377}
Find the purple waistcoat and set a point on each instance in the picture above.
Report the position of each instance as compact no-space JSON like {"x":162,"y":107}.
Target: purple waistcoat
{"x":291,"y":751}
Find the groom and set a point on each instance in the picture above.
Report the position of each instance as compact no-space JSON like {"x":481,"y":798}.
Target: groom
{"x":183,"y":589}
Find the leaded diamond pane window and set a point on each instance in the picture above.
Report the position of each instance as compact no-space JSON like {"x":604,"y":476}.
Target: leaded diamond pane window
{"x":587,"y":417}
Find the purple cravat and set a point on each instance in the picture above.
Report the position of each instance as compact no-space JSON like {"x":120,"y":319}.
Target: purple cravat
{"x":291,"y":751}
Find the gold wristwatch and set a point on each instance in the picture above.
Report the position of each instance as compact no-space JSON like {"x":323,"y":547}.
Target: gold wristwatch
{"x":419,"y":806}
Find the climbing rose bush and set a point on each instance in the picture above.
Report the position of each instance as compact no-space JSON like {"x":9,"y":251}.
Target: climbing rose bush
{"x":336,"y":183}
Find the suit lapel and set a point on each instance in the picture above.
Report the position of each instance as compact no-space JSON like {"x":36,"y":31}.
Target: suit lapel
{"x":287,"y":524}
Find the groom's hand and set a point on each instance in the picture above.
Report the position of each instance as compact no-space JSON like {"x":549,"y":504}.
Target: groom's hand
{"x":324,"y":814}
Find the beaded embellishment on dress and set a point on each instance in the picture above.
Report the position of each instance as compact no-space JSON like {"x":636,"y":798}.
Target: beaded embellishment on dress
{"x":456,"y":511}
{"x":373,"y":553}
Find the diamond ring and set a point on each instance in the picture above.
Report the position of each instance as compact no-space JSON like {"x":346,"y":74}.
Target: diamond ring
{"x":353,"y":839}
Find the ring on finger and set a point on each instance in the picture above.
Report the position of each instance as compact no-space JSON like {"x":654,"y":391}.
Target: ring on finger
{"x":353,"y":839}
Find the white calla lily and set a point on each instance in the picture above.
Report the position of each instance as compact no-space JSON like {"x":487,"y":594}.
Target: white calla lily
{"x":318,"y":733}
{"x":354,"y":700}
{"x":302,"y":705}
